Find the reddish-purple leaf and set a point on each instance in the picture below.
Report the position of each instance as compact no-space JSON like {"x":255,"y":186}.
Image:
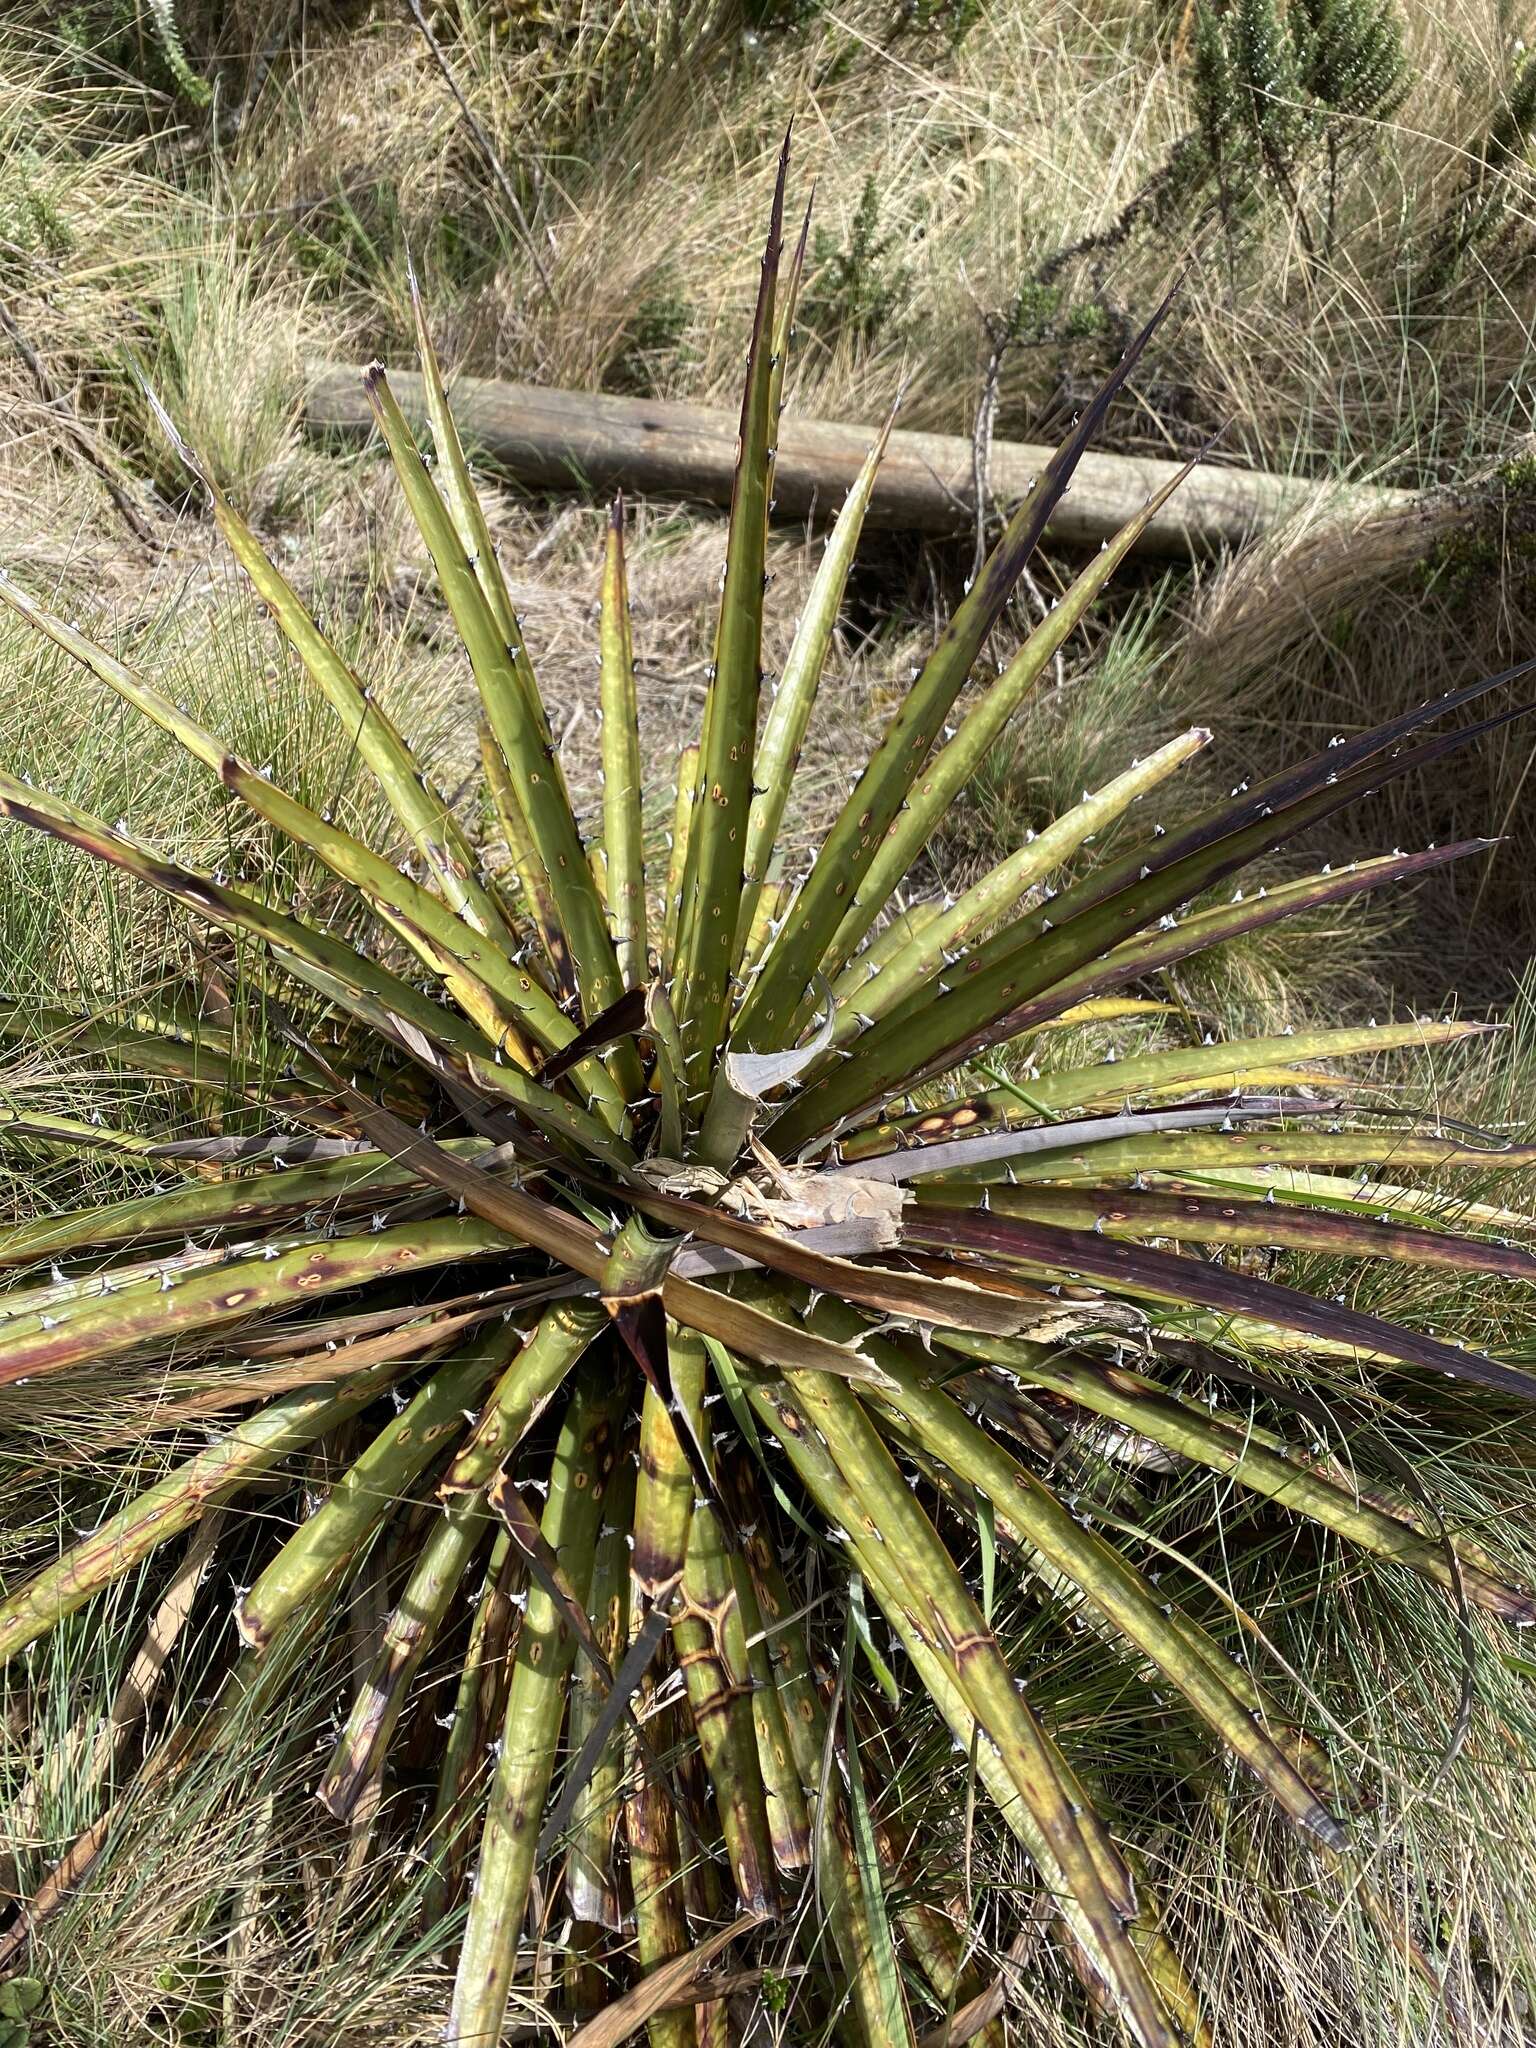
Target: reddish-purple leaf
{"x":1136,"y":1269}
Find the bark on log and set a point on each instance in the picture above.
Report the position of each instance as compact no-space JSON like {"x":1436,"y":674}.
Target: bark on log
{"x":597,"y":442}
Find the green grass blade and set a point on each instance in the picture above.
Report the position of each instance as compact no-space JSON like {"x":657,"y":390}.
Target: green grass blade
{"x":894,"y":2020}
{"x":863,"y":1636}
{"x":141,"y":1044}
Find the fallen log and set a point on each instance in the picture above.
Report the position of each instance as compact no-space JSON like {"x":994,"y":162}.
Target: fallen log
{"x":596,"y":442}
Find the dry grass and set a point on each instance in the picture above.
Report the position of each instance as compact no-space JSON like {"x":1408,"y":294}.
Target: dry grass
{"x":988,"y":160}
{"x":215,"y":251}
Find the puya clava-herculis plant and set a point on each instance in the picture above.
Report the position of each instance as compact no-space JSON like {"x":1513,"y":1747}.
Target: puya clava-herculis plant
{"x":646,"y":1227}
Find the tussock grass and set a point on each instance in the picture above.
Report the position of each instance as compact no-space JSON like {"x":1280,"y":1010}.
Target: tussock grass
{"x":216,"y":250}
{"x":986,"y":160}
{"x":221,"y":1912}
{"x":963,"y":174}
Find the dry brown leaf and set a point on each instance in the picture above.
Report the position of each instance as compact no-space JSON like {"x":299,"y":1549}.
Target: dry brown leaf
{"x":808,"y":1200}
{"x":621,"y":2019}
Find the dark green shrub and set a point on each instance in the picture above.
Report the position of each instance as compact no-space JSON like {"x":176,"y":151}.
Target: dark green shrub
{"x":1491,"y":211}
{"x":654,"y":341}
{"x":1276,"y":85}
{"x":856,"y":282}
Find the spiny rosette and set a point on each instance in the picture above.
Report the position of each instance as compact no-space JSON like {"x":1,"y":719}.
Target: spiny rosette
{"x":658,"y":1240}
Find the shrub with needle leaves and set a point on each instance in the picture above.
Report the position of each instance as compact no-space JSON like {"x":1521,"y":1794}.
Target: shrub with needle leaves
{"x":1272,"y":81}
{"x":633,"y":1237}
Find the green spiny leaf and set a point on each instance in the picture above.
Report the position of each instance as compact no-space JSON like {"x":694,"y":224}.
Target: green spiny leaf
{"x":621,"y":764}
{"x":716,"y":851}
